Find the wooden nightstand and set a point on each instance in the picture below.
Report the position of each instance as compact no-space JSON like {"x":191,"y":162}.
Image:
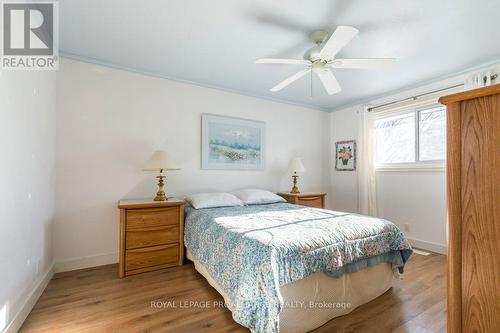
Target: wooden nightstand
{"x":316,"y":200}
{"x":151,"y":235}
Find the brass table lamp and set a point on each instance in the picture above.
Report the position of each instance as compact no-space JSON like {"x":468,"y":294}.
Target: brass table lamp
{"x":294,"y":167}
{"x":159,"y":162}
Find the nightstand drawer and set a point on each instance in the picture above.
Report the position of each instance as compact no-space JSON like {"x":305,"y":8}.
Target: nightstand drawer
{"x":316,"y":202}
{"x":152,"y":256}
{"x":152,"y":217}
{"x":136,"y":238}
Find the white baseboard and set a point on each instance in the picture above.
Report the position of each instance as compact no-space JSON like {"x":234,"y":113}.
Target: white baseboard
{"x":36,"y":291}
{"x":86,"y":262}
{"x":429,"y":246}
{"x":41,"y":283}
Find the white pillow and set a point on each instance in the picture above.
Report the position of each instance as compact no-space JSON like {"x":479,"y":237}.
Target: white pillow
{"x":210,"y":200}
{"x":257,"y":197}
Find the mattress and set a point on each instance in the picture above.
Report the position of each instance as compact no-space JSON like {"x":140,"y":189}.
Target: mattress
{"x":254,"y":252}
{"x":318,"y":298}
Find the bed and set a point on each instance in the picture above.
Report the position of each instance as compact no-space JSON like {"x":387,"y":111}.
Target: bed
{"x":288,"y":268}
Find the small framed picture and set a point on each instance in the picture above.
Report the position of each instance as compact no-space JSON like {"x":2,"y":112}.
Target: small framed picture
{"x":345,"y":155}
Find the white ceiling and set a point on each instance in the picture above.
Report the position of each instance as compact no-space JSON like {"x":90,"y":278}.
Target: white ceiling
{"x":215,"y":42}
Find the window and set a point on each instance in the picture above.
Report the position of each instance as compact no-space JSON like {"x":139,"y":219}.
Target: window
{"x":395,"y":139}
{"x":415,"y":137}
{"x":432,"y":134}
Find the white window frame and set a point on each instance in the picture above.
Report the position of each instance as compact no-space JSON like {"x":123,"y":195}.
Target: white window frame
{"x":423,"y":166}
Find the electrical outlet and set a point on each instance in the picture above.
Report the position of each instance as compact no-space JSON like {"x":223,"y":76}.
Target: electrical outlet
{"x":407,"y":227}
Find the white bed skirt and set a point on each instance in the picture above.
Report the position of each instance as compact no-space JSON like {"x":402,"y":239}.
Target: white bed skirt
{"x":313,"y":301}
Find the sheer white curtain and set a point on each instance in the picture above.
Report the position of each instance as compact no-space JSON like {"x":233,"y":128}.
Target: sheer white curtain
{"x":478,"y":80}
{"x":367,"y":190}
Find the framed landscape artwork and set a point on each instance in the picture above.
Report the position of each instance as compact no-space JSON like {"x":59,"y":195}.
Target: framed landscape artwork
{"x":232,"y":143}
{"x":345,"y":155}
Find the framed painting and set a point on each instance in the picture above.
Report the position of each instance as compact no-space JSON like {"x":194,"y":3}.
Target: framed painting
{"x":345,"y":155}
{"x":232,"y":143}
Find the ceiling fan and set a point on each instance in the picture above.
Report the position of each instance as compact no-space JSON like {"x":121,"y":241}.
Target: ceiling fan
{"x":321,"y":58}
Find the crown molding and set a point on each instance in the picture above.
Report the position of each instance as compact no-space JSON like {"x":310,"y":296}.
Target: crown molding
{"x":370,"y":100}
{"x":450,"y":77}
{"x":108,"y":64}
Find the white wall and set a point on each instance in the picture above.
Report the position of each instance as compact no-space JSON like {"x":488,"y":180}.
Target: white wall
{"x":343,"y":193}
{"x":27,"y":146}
{"x":417,"y":199}
{"x":414,"y":198}
{"x":110,"y":122}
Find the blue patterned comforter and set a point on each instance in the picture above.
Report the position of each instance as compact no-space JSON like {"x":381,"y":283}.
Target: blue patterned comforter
{"x":251,"y":250}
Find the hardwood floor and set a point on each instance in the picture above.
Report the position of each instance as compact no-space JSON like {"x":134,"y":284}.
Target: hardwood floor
{"x":95,"y":300}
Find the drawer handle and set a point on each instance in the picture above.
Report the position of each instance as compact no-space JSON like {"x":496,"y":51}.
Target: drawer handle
{"x":309,"y":199}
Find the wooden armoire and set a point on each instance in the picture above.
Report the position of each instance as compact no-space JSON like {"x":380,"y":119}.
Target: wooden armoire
{"x":473,"y":186}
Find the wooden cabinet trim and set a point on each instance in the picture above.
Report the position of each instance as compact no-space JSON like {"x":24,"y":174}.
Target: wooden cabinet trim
{"x":181,"y":236}
{"x":139,"y":204}
{"x":470,"y":94}
{"x":454,"y":180}
{"x":123,"y":227}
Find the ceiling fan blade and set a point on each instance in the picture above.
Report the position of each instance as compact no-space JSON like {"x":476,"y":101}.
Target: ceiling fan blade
{"x":282,"y":61}
{"x":292,"y":78}
{"x":329,"y":81}
{"x":362,"y":63}
{"x":340,"y":38}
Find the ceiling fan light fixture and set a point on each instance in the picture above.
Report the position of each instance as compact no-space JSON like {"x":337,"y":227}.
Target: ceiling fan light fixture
{"x":322,"y":57}
{"x":319,"y":36}
{"x":318,"y":66}
{"x":313,"y":53}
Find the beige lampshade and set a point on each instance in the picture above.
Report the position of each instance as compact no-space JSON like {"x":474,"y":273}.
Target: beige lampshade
{"x":160,"y":161}
{"x":296,"y":165}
